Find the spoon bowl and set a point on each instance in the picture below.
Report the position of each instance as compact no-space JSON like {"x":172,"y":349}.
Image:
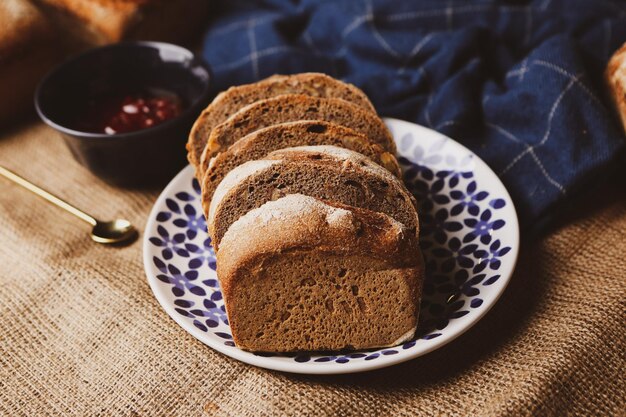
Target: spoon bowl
{"x":114,"y":231}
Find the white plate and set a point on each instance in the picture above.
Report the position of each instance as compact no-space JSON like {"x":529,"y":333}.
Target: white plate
{"x":469,"y":236}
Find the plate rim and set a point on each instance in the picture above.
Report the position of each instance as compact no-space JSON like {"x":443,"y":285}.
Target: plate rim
{"x":330,"y":368}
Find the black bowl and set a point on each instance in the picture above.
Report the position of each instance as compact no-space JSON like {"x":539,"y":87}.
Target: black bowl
{"x":143,"y":157}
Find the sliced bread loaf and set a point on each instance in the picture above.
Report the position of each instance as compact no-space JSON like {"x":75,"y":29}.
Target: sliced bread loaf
{"x":301,"y":274}
{"x":325,"y":172}
{"x":233,"y":99}
{"x":294,"y":107}
{"x":285,"y":135}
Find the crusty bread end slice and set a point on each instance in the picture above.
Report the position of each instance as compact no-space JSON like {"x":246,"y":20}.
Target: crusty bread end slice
{"x":301,"y":274}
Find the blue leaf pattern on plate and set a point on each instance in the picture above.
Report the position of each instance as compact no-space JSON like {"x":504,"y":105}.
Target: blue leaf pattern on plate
{"x":459,"y":219}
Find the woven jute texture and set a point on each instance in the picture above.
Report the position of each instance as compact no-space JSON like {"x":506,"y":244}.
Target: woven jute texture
{"x":81,"y":333}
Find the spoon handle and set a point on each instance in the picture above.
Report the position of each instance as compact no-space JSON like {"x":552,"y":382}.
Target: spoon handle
{"x":44,"y":194}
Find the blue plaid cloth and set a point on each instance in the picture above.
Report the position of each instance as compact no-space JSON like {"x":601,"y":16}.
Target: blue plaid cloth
{"x":518,"y":82}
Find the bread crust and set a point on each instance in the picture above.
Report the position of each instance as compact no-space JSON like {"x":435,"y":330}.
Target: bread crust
{"x":615,"y":77}
{"x":300,"y":226}
{"x":293,"y":107}
{"x":258,"y":144}
{"x":233,"y":99}
{"x":328,"y":129}
{"x":351,"y":230}
{"x":376,"y":186}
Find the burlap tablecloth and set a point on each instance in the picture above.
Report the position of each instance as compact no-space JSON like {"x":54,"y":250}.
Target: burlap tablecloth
{"x":81,"y":333}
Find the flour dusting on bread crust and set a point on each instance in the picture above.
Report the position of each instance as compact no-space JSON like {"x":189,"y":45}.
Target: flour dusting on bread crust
{"x":312,"y":171}
{"x":291,"y":206}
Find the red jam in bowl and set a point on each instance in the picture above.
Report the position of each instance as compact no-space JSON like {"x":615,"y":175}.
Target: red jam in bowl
{"x":128,"y":112}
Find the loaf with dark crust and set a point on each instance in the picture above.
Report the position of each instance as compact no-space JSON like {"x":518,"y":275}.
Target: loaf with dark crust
{"x":258,"y":144}
{"x":325,"y":172}
{"x":294,"y":107}
{"x":301,"y":274}
{"x":230,"y":101}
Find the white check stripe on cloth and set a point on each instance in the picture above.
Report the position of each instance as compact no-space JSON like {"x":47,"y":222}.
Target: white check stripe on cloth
{"x":574,"y":80}
{"x":520,"y":72}
{"x":571,"y":76}
{"x":358,"y":21}
{"x":436,"y":12}
{"x":239,"y":25}
{"x":415,"y":51}
{"x":383,"y":42}
{"x":530,"y":151}
{"x":368,"y":18}
{"x":260,"y":54}
{"x":449,"y":14}
{"x":248,"y":58}
{"x":254,"y":56}
{"x":448,"y":11}
{"x":446,"y":124}
{"x":427,"y":112}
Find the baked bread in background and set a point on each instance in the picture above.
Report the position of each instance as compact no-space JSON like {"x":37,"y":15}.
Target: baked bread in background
{"x":616,"y":80}
{"x":99,"y":22}
{"x":301,"y":274}
{"x":232,"y":100}
{"x":29,"y":47}
{"x":37,"y":34}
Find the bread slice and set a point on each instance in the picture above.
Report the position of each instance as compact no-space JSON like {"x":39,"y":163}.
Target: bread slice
{"x":294,"y":107}
{"x":616,"y":79}
{"x":230,"y":101}
{"x":325,"y":172}
{"x":299,"y":274}
{"x":305,"y":132}
{"x":285,"y":135}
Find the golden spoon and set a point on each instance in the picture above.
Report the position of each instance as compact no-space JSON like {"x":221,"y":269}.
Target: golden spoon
{"x":115,"y":231}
